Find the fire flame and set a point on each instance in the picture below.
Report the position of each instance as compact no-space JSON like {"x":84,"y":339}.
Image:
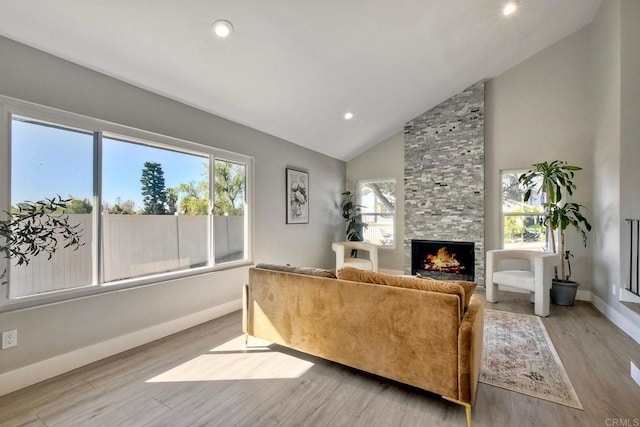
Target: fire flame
{"x":443,"y":261}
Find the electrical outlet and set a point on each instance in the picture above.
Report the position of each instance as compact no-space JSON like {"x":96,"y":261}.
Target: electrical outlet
{"x":9,"y":339}
{"x":613,"y":289}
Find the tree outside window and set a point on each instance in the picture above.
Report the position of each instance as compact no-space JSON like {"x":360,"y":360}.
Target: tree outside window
{"x":378,"y":201}
{"x":522,"y":227}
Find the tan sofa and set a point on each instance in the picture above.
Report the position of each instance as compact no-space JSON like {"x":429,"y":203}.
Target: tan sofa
{"x":429,"y":337}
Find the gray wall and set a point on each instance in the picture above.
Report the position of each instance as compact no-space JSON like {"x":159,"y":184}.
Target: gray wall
{"x":45,"y":332}
{"x":384,"y":161}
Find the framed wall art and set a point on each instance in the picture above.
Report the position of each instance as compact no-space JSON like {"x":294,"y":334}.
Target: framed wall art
{"x":297,"y":196}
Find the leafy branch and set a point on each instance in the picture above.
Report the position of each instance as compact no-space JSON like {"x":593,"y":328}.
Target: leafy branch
{"x":552,"y":180}
{"x":33,"y":228}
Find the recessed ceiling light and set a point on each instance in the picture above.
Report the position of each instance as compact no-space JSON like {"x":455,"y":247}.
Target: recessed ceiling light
{"x":348,"y":115}
{"x":509,"y":8}
{"x":222,"y":28}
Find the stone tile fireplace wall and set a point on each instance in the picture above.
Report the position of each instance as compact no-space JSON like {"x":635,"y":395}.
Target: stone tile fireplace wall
{"x":444,"y":175}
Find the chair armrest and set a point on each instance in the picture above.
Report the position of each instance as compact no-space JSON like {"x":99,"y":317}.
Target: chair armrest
{"x":373,"y":257}
{"x":342,"y":248}
{"x":495,"y":256}
{"x":339,"y":250}
{"x":354,"y":245}
{"x":543,"y":264}
{"x":548,"y":259}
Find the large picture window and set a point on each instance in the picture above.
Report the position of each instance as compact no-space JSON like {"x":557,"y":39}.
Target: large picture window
{"x":149,"y":207}
{"x":521,"y":222}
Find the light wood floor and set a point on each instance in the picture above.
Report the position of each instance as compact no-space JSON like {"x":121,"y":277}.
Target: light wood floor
{"x":205,"y":377}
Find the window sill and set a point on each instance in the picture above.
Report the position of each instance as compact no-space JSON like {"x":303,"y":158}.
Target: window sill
{"x":90,"y":291}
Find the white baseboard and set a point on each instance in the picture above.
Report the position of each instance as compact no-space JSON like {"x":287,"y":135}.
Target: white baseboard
{"x":619,"y":320}
{"x":627,"y":296}
{"x":584,"y":296}
{"x":49,"y":368}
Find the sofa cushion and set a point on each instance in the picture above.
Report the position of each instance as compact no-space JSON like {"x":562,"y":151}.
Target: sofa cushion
{"x":409,"y":282}
{"x":468,"y":287}
{"x":308,"y":271}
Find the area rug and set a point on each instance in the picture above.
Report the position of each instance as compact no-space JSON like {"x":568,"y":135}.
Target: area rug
{"x":518,"y":355}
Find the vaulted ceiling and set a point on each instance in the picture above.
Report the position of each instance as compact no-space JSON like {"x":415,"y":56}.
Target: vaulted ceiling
{"x":294,"y":68}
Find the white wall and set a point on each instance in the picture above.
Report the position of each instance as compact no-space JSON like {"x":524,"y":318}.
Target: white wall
{"x":53,"y":330}
{"x":605,"y":104}
{"x":539,"y":111}
{"x":385,"y":160}
{"x":579,"y":101}
{"x":629,"y":124}
{"x":536,"y":111}
{"x":615,"y":103}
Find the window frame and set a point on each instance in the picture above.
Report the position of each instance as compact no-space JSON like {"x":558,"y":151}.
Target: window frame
{"x":361,"y":182}
{"x":10,"y":107}
{"x":518,"y":171}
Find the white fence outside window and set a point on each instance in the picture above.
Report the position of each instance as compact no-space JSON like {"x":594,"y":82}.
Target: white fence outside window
{"x":134,"y":245}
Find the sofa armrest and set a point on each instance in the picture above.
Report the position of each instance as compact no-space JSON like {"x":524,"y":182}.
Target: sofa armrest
{"x":470,"y":338}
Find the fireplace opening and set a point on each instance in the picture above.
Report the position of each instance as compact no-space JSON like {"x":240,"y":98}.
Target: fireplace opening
{"x":443,"y":260}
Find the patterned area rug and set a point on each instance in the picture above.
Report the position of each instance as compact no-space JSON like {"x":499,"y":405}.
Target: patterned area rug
{"x":518,"y":355}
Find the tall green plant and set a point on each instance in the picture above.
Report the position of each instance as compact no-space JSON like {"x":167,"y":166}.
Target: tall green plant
{"x":353,"y":217}
{"x":552,"y":180}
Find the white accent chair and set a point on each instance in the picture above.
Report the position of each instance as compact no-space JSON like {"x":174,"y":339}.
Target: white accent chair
{"x":343,"y":252}
{"x":520,"y":269}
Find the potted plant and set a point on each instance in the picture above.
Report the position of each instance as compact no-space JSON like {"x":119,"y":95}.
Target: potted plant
{"x":353,"y":218}
{"x":554,"y":181}
{"x":33,"y":228}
